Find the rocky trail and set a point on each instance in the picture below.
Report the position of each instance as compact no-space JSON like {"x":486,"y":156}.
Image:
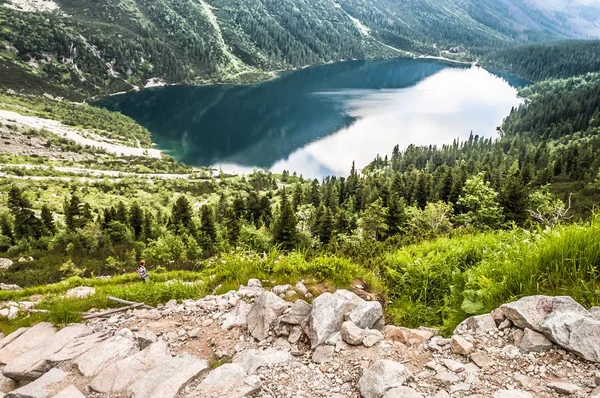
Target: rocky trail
{"x":251,"y":342}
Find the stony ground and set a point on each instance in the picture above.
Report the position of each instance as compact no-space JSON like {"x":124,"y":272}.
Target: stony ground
{"x":252,"y":343}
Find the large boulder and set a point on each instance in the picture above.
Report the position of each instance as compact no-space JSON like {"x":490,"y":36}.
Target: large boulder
{"x":25,"y":341}
{"x":366,"y":314}
{"x":267,"y":307}
{"x":119,"y":375}
{"x":35,"y":362}
{"x":480,"y":323}
{"x":40,"y":388}
{"x":529,"y":312}
{"x":327,"y":315}
{"x":238,"y":317}
{"x":298,"y":314}
{"x":382,"y":376}
{"x":5,"y":263}
{"x":575,"y":332}
{"x":104,"y":353}
{"x":169,"y":378}
{"x":76,"y":347}
{"x":229,"y":380}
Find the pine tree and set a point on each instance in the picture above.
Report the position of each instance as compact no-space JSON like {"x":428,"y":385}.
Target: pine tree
{"x":233,"y":226}
{"x":297,"y":196}
{"x":26,"y":224}
{"x":6,"y":227}
{"x":315,"y":195}
{"x":396,"y":217}
{"x":373,"y":220}
{"x":136,"y":220}
{"x":77,"y":214}
{"x":48,"y":220}
{"x":121,"y":215}
{"x":326,"y":227}
{"x":181,"y":214}
{"x":514,"y":197}
{"x":147,"y":227}
{"x":207,"y":224}
{"x":284,"y":229}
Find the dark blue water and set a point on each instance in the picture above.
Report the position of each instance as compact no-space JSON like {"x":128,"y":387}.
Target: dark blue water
{"x":316,"y":121}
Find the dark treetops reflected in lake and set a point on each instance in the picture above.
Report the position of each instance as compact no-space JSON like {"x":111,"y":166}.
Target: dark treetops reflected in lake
{"x":318,"y":120}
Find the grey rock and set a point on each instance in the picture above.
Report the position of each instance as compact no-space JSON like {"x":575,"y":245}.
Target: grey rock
{"x":534,"y":342}
{"x":25,"y":341}
{"x":454,"y":366}
{"x":350,"y":296}
{"x":446,"y":378}
{"x":6,"y":384}
{"x":574,"y":332}
{"x":35,"y":362}
{"x":529,"y":312}
{"x":382,"y":376}
{"x":402,"y":392}
{"x":512,"y":394}
{"x":595,"y":393}
{"x":351,"y":333}
{"x":229,"y":380}
{"x":515,"y":337}
{"x":295,"y":334}
{"x":238,"y":317}
{"x":119,"y":375}
{"x":442,"y":394}
{"x":39,"y":388}
{"x":461,"y":346}
{"x":298,"y":314}
{"x":169,"y":378}
{"x":250,"y":291}
{"x":323,"y":354}
{"x":482,"y":360}
{"x":595,"y":313}
{"x":407,"y":336}
{"x":5,"y":263}
{"x":80,"y":292}
{"x":460,"y":387}
{"x":481,"y":323}
{"x":334,"y":339}
{"x":254,"y":283}
{"x":281,"y":289}
{"x":564,"y":388}
{"x":597,"y":378}
{"x":104,"y":353}
{"x":372,"y":337}
{"x":252,"y":360}
{"x":76,"y":347}
{"x":505,"y":324}
{"x":301,"y":288}
{"x":264,"y":311}
{"x":4,"y":286}
{"x":327,"y":316}
{"x":366,"y":314}
{"x":145,"y":338}
{"x":70,"y":392}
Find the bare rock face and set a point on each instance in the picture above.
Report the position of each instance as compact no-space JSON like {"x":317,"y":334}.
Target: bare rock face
{"x":529,"y":312}
{"x":70,"y":392}
{"x":238,"y":317}
{"x":104,"y":353}
{"x":119,"y":375}
{"x":40,"y":388}
{"x":168,"y":378}
{"x":327,"y":315}
{"x":26,"y":340}
{"x":575,"y":332}
{"x":366,"y":314}
{"x":267,"y":307}
{"x":382,"y":376}
{"x":35,"y":362}
{"x":229,"y":380}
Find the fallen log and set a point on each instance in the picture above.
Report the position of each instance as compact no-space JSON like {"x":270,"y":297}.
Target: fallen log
{"x":113,"y":311}
{"x":121,"y":301}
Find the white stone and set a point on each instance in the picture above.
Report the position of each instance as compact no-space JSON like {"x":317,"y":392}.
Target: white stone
{"x":382,"y":376}
{"x":575,"y":332}
{"x":70,"y":392}
{"x":327,"y":316}
{"x":366,"y":314}
{"x":252,"y":360}
{"x":80,"y":292}
{"x":104,"y":353}
{"x":39,"y":388}
{"x":26,"y":340}
{"x":512,"y":394}
{"x":267,"y":307}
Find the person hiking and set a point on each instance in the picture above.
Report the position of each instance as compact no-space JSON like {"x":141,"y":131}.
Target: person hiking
{"x":142,"y":271}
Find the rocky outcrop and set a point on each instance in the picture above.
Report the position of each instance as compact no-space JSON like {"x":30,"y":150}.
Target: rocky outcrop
{"x":229,"y":380}
{"x":327,"y":315}
{"x":24,"y":341}
{"x":574,"y":331}
{"x":366,"y":314}
{"x":5,"y":263}
{"x":100,"y":355}
{"x":40,"y":388}
{"x":529,"y":312}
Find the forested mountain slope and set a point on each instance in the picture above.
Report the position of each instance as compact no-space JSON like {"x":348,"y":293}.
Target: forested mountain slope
{"x":99,"y":47}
